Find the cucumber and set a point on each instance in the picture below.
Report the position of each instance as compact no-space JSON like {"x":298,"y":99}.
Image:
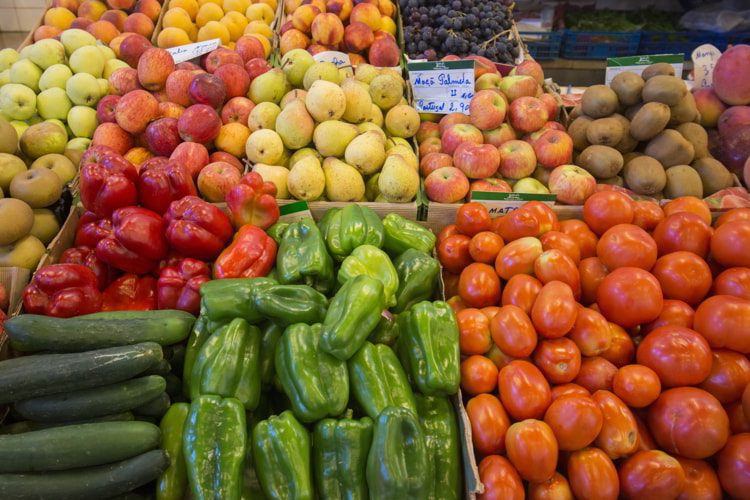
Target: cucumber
{"x":156,"y":408}
{"x":103,"y":481}
{"x":28,"y":425}
{"x":174,"y":386}
{"x":74,"y":446}
{"x":91,"y":403}
{"x":34,"y":333}
{"x":161,"y":368}
{"x":42,"y":374}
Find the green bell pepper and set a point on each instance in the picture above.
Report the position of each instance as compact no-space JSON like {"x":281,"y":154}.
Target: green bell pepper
{"x":397,"y":465}
{"x":402,"y":234}
{"x":289,"y":304}
{"x":277,"y":231}
{"x":228,"y":364}
{"x":386,"y":332}
{"x":345,"y":229}
{"x":375,"y":263}
{"x":226,"y":299}
{"x":214,"y":442}
{"x":303,"y":257}
{"x":271,"y":335}
{"x":281,"y":453}
{"x":438,"y":420}
{"x":316,"y":383}
{"x":340,"y":449}
{"x":172,"y":484}
{"x":429,"y":346}
{"x":197,"y":338}
{"x":355,"y":312}
{"x":378,"y":380}
{"x":417,"y":278}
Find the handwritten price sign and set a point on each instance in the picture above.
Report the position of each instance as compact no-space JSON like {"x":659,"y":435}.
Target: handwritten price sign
{"x":442,"y":86}
{"x":704,"y":60}
{"x":340,"y":59}
{"x":192,"y":50}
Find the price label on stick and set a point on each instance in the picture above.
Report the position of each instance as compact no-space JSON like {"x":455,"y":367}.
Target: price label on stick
{"x":192,"y":50}
{"x":704,"y":60}
{"x":340,"y":59}
{"x":442,"y":86}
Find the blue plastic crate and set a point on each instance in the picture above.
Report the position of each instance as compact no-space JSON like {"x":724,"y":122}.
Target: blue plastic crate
{"x":599,"y":44}
{"x":661,"y":42}
{"x":727,"y":39}
{"x":543,"y":45}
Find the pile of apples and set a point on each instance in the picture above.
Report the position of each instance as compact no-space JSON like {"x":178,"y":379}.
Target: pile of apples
{"x":366,"y":31}
{"x":106,"y":21}
{"x":189,"y":21}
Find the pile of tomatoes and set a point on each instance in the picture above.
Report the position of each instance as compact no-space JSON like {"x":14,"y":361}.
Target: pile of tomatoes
{"x":608,"y":356}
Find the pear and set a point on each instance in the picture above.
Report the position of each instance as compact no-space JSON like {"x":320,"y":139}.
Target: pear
{"x":276,"y":174}
{"x":402,"y":121}
{"x":372,"y":191}
{"x":332,"y":137}
{"x":292,"y":95}
{"x":398,"y":181}
{"x":303,"y":153}
{"x":285,"y":157}
{"x":343,"y":182}
{"x":264,"y":146}
{"x":263,"y":116}
{"x":406,"y":153}
{"x":295,"y":125}
{"x":366,"y":153}
{"x":321,"y":71}
{"x":366,"y":72}
{"x":392,"y":142}
{"x":269,"y":87}
{"x":371,"y":127}
{"x":325,"y":101}
{"x":375,"y":116}
{"x":306,"y":180}
{"x":358,"y":101}
{"x":295,"y":64}
{"x":386,"y":91}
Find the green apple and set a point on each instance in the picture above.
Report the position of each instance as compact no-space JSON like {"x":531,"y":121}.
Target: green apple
{"x":26,"y":73}
{"x":529,"y":185}
{"x":88,"y":59}
{"x":79,"y":144}
{"x":7,"y":58}
{"x":10,"y":165}
{"x":75,"y":38}
{"x":83,"y":89}
{"x":53,"y":103}
{"x":34,"y":120}
{"x":26,"y":252}
{"x":24,"y":53}
{"x":111,"y":65}
{"x":17,"y":101}
{"x":39,"y":187}
{"x":82,"y":121}
{"x":55,"y":76}
{"x":45,"y":226}
{"x":20,"y":126}
{"x":43,"y":138}
{"x":103,"y":86}
{"x":57,"y":122}
{"x":107,"y":53}
{"x":59,"y":164}
{"x":18,"y":219}
{"x":4,"y":77}
{"x":47,"y":52}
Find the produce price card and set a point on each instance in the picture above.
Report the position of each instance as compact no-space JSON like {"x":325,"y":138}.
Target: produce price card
{"x":340,"y":59}
{"x":637,"y":64}
{"x":704,"y":59}
{"x":499,"y":204}
{"x":442,"y":86}
{"x":192,"y":50}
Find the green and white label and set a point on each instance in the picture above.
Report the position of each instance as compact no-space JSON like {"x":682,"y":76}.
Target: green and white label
{"x":442,"y":86}
{"x":636,"y":64}
{"x":294,"y":211}
{"x":501,"y":203}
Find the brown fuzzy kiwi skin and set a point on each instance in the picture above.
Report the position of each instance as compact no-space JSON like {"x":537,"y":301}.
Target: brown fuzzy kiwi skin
{"x":605,"y":131}
{"x":657,"y":69}
{"x":644,"y":175}
{"x":663,"y":88}
{"x":599,"y":101}
{"x":683,"y":180}
{"x":685,"y":111}
{"x":697,"y":136}
{"x":600,"y":161}
{"x":649,"y":121}
{"x":628,"y":87}
{"x":670,"y":148}
{"x":714,"y":175}
{"x":612,"y":181}
{"x":577,"y":132}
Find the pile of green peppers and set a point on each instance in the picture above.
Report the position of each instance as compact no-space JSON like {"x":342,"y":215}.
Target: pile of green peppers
{"x":330,"y":378}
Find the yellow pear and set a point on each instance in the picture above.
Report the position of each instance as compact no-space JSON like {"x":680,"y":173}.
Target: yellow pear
{"x":306,"y":180}
{"x":398,"y":181}
{"x":332,"y":137}
{"x":366,"y":153}
{"x":343,"y":182}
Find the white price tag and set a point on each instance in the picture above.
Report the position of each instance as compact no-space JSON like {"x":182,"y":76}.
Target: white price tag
{"x":442,"y":86}
{"x":704,"y":60}
{"x":340,"y":59}
{"x":192,"y":50}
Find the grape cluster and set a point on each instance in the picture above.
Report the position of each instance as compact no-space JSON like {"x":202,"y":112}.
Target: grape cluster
{"x":434,"y":29}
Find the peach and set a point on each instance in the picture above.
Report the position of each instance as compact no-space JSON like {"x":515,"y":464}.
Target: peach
{"x":316,"y":48}
{"x":138,"y":155}
{"x":208,"y":12}
{"x":59,"y":17}
{"x":139,"y":23}
{"x":172,"y":37}
{"x":291,"y":5}
{"x":293,"y":39}
{"x":43,"y":32}
{"x":154,"y":67}
{"x":192,"y":156}
{"x":271,"y":3}
{"x":709,"y":105}
{"x":235,"y":78}
{"x":327,"y":29}
{"x":260,"y":12}
{"x":123,"y":80}
{"x":170,"y":110}
{"x":80,"y":23}
{"x":121,"y":4}
{"x":71,"y":5}
{"x":135,"y":110}
{"x":356,"y":59}
{"x":235,"y":24}
{"x":152,"y":8}
{"x":731,"y":75}
{"x":366,"y":13}
{"x":387,"y":8}
{"x":103,"y":30}
{"x":358,"y":37}
{"x":132,"y":46}
{"x":320,"y":4}
{"x":92,"y":9}
{"x":260,"y":28}
{"x":219,"y":57}
{"x":263,"y":41}
{"x":236,"y":5}
{"x":388,"y":25}
{"x":286,"y":27}
{"x":214,"y":29}
{"x":384,"y":52}
{"x":303,"y":17}
{"x":232,"y":138}
{"x":177,"y":85}
{"x":116,"y":17}
{"x":342,"y":8}
{"x":177,"y":17}
{"x":191,"y":6}
{"x":112,"y":135}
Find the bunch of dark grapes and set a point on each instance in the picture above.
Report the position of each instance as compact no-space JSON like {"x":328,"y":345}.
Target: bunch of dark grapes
{"x":435,"y":29}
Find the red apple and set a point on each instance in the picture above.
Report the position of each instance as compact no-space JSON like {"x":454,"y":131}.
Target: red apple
{"x":456,"y":134}
{"x":519,"y":86}
{"x":235,"y":78}
{"x":517,"y":159}
{"x":135,"y":109}
{"x":732,"y":118}
{"x":499,"y":136}
{"x":153,"y":162}
{"x":554,"y":126}
{"x":170,"y":110}
{"x":199,"y":123}
{"x":527,"y":114}
{"x":709,"y":106}
{"x":132,"y":48}
{"x":237,"y":109}
{"x":427,"y":130}
{"x":216,"y":179}
{"x":553,"y":109}
{"x":530,"y":67}
{"x":452,"y":119}
{"x":487,"y":110}
{"x":188,"y":65}
{"x":162,"y":136}
{"x":746,"y":172}
{"x":492,"y":185}
{"x":431,"y":145}
{"x":192,"y":156}
{"x":446,"y":185}
{"x":219,"y":57}
{"x":482,"y":66}
{"x":227,"y":158}
{"x":177,"y":86}
{"x":256,"y":67}
{"x":433,"y":161}
{"x":572,"y":185}
{"x":477,"y":161}
{"x":113,"y":136}
{"x":732,"y":75}
{"x":123,"y":80}
{"x":553,"y":148}
{"x":154,"y":66}
{"x":488,"y":81}
{"x":105,"y":109}
{"x":207,"y":89}
{"x":249,"y":48}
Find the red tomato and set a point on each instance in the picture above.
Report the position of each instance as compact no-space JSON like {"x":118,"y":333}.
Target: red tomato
{"x":558,"y":359}
{"x":626,"y":245}
{"x":545,"y":214}
{"x":575,"y":421}
{"x":472,"y":218}
{"x":689,"y":204}
{"x":647,"y":214}
{"x":513,"y":332}
{"x":489,"y":423}
{"x":490,"y":311}
{"x":521,"y":290}
{"x":448,"y":230}
{"x":478,"y":375}
{"x":730,"y":374}
{"x":554,"y":311}
{"x":450,"y":282}
{"x":651,"y":475}
{"x":619,"y":435}
{"x":622,"y":349}
{"x":701,"y":482}
{"x":532,"y":449}
{"x":555,"y":488}
{"x":592,"y":271}
{"x":456,"y":304}
{"x":680,"y":356}
{"x":568,"y":389}
{"x":473,"y":332}
{"x":582,"y":235}
{"x":629,"y":296}
{"x":485,"y":246}
{"x":517,"y":257}
{"x":738,"y":422}
{"x":500,"y":479}
{"x":638,"y":386}
{"x":532,"y":219}
{"x":561,"y":241}
{"x":591,"y":332}
{"x":729,"y":244}
{"x":734,"y":281}
{"x":673,"y":312}
{"x":606,"y":209}
{"x":734,"y":466}
{"x":746,"y":400}
{"x":498,"y":357}
{"x":645,"y":439}
{"x":733,"y":215}
{"x":592,"y":475}
{"x":688,"y":421}
{"x":683,"y":276}
{"x":479,"y":286}
{"x":683,"y":231}
{"x":453,"y":253}
{"x":724,"y":321}
{"x":596,"y":374}
{"x":555,"y":265}
{"x":523,"y":389}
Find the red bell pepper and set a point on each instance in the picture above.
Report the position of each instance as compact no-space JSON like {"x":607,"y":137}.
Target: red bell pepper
{"x":86,"y":256}
{"x":251,"y":254}
{"x":92,"y":229}
{"x":158,"y":186}
{"x":253,"y":201}
{"x":137,"y":243}
{"x":108,"y":184}
{"x":179,"y":285}
{"x":196,"y":228}
{"x":130,"y":293}
{"x":62,"y":290}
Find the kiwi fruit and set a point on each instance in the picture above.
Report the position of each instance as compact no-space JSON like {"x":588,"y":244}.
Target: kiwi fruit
{"x":575,"y":113}
{"x":685,"y":111}
{"x":604,"y":131}
{"x":626,"y":157}
{"x":714,"y":175}
{"x":657,"y":69}
{"x":649,"y":121}
{"x":628,"y":86}
{"x":601,"y":161}
{"x":683,"y":180}
{"x":644,"y":175}
{"x":631,"y":111}
{"x":664,"y":88}
{"x":627,"y":143}
{"x":697,"y":136}
{"x":599,"y":101}
{"x":670,"y":148}
{"x":577,"y":132}
{"x":613,"y":181}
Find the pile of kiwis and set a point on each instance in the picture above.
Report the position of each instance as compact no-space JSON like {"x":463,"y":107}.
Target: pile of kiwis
{"x":643,"y":132}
